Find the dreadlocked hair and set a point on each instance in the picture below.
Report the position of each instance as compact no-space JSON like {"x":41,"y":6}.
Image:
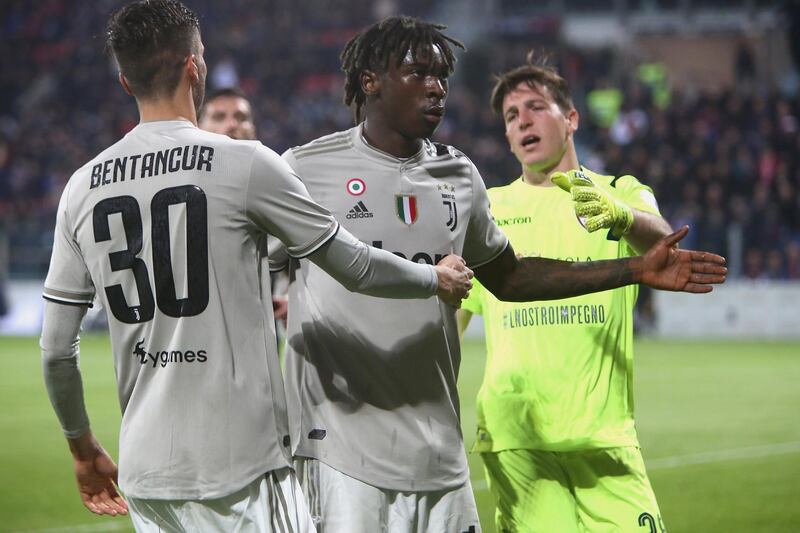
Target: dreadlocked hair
{"x":389,"y":40}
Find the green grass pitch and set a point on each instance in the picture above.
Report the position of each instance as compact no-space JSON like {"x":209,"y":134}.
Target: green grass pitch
{"x":719,"y":424}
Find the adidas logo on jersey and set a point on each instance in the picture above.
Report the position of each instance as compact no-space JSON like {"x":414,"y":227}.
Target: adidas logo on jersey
{"x":359,"y":211}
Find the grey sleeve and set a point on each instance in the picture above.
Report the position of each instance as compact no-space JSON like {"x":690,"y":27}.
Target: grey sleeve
{"x":60,"y":356}
{"x":277,"y":254}
{"x":279,"y":204}
{"x":484,"y":241}
{"x":68,"y":280}
{"x":368,"y":270}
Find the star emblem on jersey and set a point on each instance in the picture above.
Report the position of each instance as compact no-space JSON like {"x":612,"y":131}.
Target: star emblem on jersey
{"x":356,"y":186}
{"x":359,"y":211}
{"x":406,"y":206}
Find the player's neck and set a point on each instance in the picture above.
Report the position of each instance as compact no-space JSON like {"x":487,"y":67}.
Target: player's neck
{"x":179,"y":106}
{"x":539,"y":177}
{"x":381,"y":136}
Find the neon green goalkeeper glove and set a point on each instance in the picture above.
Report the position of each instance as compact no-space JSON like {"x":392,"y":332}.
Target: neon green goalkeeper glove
{"x":595,"y":206}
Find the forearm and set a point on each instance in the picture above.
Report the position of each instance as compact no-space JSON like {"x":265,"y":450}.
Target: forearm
{"x":62,"y":377}
{"x":525,"y":279}
{"x":538,"y":278}
{"x":84,"y":447}
{"x":647,"y":228}
{"x":368,"y":270}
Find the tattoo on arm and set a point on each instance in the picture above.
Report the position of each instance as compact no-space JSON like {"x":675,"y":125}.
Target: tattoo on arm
{"x":535,"y":278}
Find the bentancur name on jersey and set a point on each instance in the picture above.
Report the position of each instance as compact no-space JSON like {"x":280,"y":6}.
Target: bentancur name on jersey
{"x":190,"y":157}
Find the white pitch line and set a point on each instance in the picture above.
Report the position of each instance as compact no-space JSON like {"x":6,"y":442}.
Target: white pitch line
{"x":701,"y":458}
{"x":720,"y":456}
{"x":83,"y":528}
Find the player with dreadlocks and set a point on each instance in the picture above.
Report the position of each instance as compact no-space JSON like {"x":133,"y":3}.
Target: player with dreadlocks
{"x":376,"y":47}
{"x":372,"y":382}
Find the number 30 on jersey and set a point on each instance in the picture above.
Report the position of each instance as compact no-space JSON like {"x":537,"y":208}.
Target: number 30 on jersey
{"x":196,"y":254}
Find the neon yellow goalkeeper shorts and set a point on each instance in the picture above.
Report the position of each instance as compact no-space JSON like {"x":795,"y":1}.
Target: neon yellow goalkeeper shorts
{"x":597,"y":491}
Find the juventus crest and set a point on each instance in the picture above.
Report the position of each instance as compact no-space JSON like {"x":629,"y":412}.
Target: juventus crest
{"x":448,"y":193}
{"x":452,"y":213}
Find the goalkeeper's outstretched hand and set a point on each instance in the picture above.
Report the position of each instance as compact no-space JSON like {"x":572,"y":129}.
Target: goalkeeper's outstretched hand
{"x":596,"y":207}
{"x":666,"y":267}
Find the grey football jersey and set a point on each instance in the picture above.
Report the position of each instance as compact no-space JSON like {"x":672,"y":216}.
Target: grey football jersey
{"x":371,"y":382}
{"x":167,"y":228}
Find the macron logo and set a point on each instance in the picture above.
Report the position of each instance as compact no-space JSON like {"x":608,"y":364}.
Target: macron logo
{"x":359,"y":211}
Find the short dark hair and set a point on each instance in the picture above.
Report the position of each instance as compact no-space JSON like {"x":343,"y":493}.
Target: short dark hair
{"x":389,"y":40}
{"x":533,"y":73}
{"x":226,"y":91}
{"x":149,"y":39}
{"x":234,"y":92}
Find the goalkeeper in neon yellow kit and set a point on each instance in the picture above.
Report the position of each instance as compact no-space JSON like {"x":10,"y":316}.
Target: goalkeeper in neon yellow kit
{"x":555,"y":410}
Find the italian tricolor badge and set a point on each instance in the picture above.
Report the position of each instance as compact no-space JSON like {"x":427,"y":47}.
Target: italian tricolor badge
{"x":406,"y":208}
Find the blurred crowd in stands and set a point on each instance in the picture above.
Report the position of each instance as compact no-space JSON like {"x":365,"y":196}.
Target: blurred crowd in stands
{"x":726,"y":164}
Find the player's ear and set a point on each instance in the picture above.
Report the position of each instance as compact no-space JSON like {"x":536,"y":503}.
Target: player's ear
{"x":191,"y":67}
{"x":370,"y":83}
{"x":124,"y":83}
{"x":573,"y":120}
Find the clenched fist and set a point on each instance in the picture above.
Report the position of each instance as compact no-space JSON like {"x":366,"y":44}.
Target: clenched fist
{"x":454,"y":280}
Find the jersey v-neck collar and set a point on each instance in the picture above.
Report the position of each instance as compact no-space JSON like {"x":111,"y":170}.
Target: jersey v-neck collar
{"x":379,"y":156}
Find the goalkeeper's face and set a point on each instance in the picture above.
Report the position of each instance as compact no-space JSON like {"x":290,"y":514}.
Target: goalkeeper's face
{"x":538,"y":131}
{"x":229,"y":115}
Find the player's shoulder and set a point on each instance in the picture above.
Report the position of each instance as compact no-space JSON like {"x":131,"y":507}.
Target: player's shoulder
{"x":506,"y":193}
{"x":445,"y":151}
{"x":598,"y":178}
{"x":322,"y":146}
{"x":84,"y":172}
{"x":239,"y":154}
{"x":611,"y":181}
{"x":238,"y":147}
{"x":184,"y":133}
{"x":443,"y":160}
